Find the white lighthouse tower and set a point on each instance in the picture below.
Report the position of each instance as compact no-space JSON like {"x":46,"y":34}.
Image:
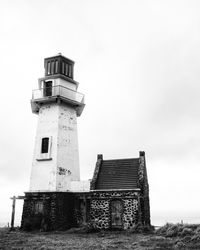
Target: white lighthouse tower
{"x":56,"y":101}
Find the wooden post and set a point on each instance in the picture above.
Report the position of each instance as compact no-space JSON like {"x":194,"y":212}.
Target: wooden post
{"x":13,"y":212}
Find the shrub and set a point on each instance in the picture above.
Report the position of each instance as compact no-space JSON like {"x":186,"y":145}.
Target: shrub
{"x":179,"y":244}
{"x":168,"y":230}
{"x":139,"y":228}
{"x":186,"y":231}
{"x":196,"y":238}
{"x":187,"y":238}
{"x":172,"y":232}
{"x":197,"y":230}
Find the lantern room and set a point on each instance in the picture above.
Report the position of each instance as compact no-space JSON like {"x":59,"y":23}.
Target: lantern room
{"x":59,"y":65}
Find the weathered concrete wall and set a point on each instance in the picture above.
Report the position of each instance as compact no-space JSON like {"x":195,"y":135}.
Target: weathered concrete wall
{"x":80,"y":186}
{"x":67,"y":148}
{"x":59,"y":123}
{"x":43,"y":173}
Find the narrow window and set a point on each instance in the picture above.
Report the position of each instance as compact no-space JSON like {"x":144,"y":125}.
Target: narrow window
{"x":45,"y":145}
{"x":39,"y":207}
{"x":70,"y":71}
{"x":48,"y":88}
{"x":52,"y":67}
{"x":48,"y":68}
{"x":66,"y":69}
{"x":56,"y":67}
{"x":63,"y":68}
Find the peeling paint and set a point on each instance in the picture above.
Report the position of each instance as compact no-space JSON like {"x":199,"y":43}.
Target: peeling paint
{"x":63,"y":171}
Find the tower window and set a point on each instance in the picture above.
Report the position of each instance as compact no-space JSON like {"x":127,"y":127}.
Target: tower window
{"x":70,"y":71}
{"x":45,"y":145}
{"x":48,"y":88}
{"x":63,"y":68}
{"x":66,"y":69}
{"x":56,"y":67}
{"x":44,"y":148}
{"x":48,"y":68}
{"x":52,"y":67}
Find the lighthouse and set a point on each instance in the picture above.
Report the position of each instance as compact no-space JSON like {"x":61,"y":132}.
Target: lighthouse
{"x":58,"y":104}
{"x":117,"y":197}
{"x":56,"y":196}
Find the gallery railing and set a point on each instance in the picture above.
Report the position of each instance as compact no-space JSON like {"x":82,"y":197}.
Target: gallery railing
{"x":55,"y":91}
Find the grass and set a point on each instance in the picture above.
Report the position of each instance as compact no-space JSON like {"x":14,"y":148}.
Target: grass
{"x":169,"y":237}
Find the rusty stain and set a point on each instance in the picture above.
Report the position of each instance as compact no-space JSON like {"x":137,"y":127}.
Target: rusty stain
{"x":63,"y":171}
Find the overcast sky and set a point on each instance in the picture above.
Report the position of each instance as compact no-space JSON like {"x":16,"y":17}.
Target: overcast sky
{"x":138,"y":64}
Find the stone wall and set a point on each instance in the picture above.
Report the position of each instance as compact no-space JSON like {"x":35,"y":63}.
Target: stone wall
{"x":100,"y":212}
{"x":130,"y":215}
{"x":63,"y":210}
{"x":96,"y":172}
{"x":49,"y":211}
{"x":144,"y":186}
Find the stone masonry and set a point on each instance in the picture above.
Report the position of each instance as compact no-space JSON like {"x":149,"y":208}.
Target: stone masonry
{"x":100,"y":212}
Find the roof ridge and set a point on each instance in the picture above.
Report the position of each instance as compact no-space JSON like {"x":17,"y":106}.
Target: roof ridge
{"x":122,"y":159}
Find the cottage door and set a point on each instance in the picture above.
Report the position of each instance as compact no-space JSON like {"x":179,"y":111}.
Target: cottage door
{"x":116,"y":214}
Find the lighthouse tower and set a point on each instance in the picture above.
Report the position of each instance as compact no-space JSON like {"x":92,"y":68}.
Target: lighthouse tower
{"x":57,"y":103}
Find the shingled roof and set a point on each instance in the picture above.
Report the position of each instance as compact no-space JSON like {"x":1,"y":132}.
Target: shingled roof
{"x":117,"y":174}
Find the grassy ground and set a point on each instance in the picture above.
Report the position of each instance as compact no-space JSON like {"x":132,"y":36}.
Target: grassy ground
{"x":17,"y":240}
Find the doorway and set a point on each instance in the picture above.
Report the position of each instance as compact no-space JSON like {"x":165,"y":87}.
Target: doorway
{"x":116,"y":214}
{"x":48,"y":88}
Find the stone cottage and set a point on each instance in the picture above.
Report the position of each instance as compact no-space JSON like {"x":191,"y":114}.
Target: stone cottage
{"x":119,"y":193}
{"x":117,"y":197}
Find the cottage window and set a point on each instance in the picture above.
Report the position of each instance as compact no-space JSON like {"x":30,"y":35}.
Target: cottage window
{"x":45,"y":145}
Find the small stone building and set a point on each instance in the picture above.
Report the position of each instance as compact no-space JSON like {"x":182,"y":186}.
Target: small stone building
{"x":119,"y":193}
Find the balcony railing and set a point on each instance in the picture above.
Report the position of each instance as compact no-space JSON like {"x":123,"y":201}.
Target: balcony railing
{"x":58,"y":91}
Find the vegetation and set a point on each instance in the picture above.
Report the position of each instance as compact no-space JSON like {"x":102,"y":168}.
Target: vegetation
{"x":168,"y":237}
{"x":185,"y":235}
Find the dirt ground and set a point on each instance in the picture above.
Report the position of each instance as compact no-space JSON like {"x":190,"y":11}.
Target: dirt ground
{"x":17,"y":240}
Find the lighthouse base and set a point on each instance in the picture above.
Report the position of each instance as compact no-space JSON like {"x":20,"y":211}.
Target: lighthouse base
{"x":54,"y":210}
{"x":62,"y":210}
